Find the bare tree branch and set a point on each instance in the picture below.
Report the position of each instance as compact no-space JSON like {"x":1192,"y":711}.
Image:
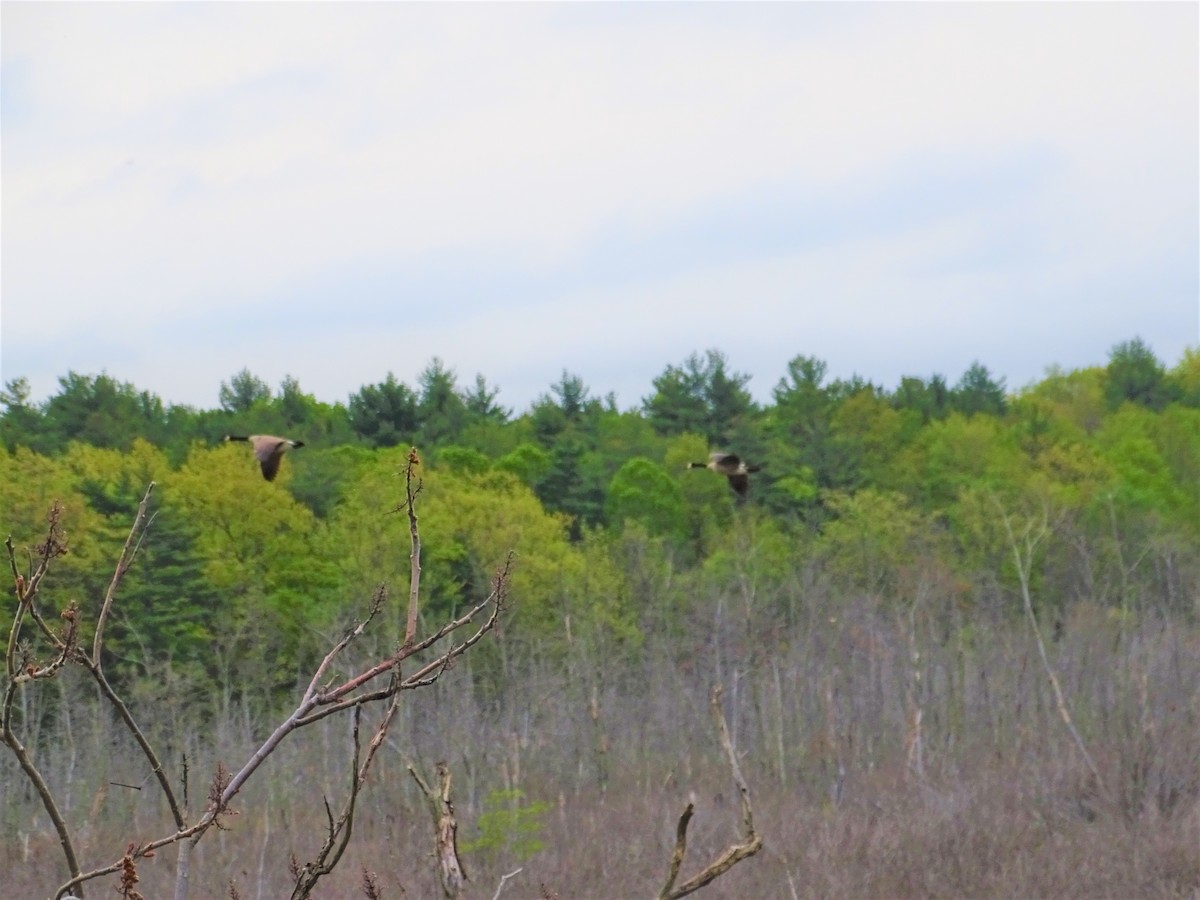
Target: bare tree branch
{"x":751,"y":842}
{"x":316,"y":702}
{"x":450,"y":869}
{"x":504,"y":879}
{"x":26,"y":590}
{"x":339,"y":832}
{"x":1024,"y":548}
{"x":123,"y":563}
{"x":410,"y":496}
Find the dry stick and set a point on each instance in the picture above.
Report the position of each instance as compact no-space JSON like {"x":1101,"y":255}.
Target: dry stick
{"x":123,"y":563}
{"x":421,"y":677}
{"x":331,"y":853}
{"x":95,"y":666}
{"x":26,"y":590}
{"x":680,"y":850}
{"x":451,"y":873}
{"x":414,"y":559}
{"x":734,"y":853}
{"x":39,"y":783}
{"x":192,"y":834}
{"x":312,"y":698}
{"x":1031,"y":538}
{"x":503,"y":879}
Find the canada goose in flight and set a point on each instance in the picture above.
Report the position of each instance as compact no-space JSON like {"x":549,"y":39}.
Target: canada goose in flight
{"x":732,"y":467}
{"x":268,"y":450}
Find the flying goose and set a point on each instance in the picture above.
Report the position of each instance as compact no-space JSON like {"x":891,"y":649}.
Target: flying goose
{"x":268,"y":450}
{"x":732,"y":467}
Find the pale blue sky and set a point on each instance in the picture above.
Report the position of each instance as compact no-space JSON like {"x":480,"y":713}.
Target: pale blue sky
{"x":335,"y":191}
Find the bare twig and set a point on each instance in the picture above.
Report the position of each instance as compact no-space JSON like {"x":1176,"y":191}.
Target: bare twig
{"x":1024,"y":548}
{"x":26,"y":589}
{"x":410,"y":496}
{"x":339,"y":832}
{"x":504,"y":879}
{"x":123,"y":563}
{"x":751,"y":842}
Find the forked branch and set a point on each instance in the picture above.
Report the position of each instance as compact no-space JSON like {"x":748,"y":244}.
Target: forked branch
{"x":751,"y":842}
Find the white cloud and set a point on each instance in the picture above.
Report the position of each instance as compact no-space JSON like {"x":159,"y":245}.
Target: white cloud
{"x":196,"y":160}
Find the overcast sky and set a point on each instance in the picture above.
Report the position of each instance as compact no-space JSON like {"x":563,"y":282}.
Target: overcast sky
{"x":336,"y":191}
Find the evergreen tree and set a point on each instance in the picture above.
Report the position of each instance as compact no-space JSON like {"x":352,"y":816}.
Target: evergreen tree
{"x":103,"y":412}
{"x":243,"y":392}
{"x":480,"y":401}
{"x":21,"y":423}
{"x":700,"y":397}
{"x":929,"y":401}
{"x":978,"y":392}
{"x":440,"y":409}
{"x":384,"y":414}
{"x":1135,"y":375}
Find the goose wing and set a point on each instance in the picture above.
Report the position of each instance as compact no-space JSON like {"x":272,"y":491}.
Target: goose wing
{"x":269,"y":451}
{"x":270,"y":464}
{"x":740,"y":484}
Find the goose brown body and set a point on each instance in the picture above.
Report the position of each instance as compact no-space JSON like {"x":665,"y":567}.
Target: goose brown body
{"x":732,"y":467}
{"x":268,"y":450}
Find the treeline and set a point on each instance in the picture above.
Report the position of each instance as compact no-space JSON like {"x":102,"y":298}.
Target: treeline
{"x":872,"y":491}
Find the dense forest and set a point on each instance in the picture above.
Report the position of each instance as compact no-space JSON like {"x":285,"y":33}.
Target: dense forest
{"x":876,"y":570}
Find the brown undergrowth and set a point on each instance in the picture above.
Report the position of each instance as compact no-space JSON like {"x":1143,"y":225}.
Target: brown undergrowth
{"x":1001,"y":805}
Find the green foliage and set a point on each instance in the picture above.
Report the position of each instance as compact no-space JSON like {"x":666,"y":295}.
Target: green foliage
{"x":20,"y":422}
{"x":103,"y":412}
{"x":463,"y":459}
{"x":238,"y":578}
{"x":701,"y":397}
{"x":480,"y":401}
{"x":384,"y":414}
{"x":266,"y":558}
{"x":1134,"y":375}
{"x":1154,"y":459}
{"x":643,"y":492}
{"x":872,"y":537}
{"x":470,"y":522}
{"x":528,"y":462}
{"x":440,"y":409}
{"x":755,"y":562}
{"x":508,"y":828}
{"x":1184,"y":379}
{"x":924,"y":401}
{"x":956,"y":452}
{"x":708,"y":502}
{"x":868,"y":434}
{"x":243,"y":392}
{"x":978,"y":392}
{"x":320,"y":476}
